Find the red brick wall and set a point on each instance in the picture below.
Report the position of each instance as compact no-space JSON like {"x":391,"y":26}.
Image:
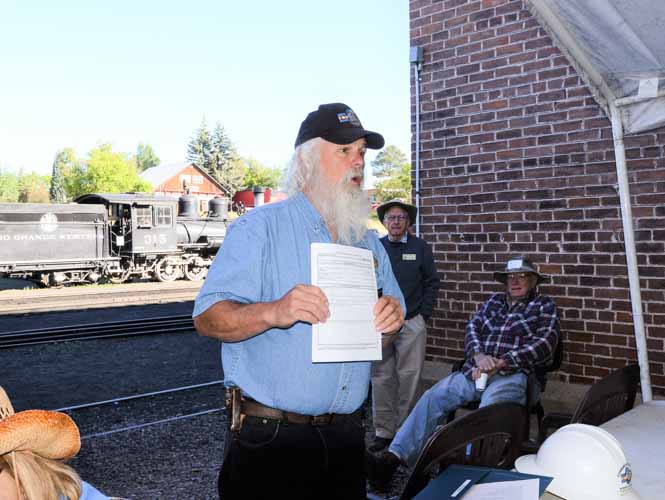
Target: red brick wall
{"x":517,"y":157}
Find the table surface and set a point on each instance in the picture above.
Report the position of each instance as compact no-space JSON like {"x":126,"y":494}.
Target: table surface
{"x":641,"y":432}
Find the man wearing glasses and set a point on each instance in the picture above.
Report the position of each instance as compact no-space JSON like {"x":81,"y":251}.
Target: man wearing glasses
{"x":395,"y":379}
{"x":513,"y":331}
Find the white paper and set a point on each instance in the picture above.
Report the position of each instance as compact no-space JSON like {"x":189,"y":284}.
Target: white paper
{"x":346,"y":275}
{"x":525,"y":489}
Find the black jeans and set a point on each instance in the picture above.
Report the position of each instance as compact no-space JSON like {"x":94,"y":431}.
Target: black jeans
{"x":270,"y":460}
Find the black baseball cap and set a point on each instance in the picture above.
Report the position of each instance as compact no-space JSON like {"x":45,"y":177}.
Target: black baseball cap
{"x":336,"y":123}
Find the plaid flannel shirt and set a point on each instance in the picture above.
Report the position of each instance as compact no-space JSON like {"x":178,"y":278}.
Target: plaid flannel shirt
{"x":523,"y":333}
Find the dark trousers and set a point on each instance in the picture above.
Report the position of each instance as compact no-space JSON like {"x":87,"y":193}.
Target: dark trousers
{"x":269,"y":460}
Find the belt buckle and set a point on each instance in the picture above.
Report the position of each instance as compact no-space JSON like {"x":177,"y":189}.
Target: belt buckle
{"x":321,"y":420}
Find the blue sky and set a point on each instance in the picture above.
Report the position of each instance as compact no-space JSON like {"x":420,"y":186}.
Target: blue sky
{"x":79,"y":73}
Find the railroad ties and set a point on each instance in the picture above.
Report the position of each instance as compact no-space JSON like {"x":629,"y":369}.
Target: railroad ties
{"x":148,"y":326}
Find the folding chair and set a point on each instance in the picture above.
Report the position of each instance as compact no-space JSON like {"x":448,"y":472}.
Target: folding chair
{"x":490,"y":437}
{"x":608,"y":398}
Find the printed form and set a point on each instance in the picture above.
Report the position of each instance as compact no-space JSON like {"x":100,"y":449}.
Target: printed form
{"x":346,"y":275}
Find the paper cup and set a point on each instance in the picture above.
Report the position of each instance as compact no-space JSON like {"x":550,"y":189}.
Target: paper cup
{"x":481,"y":382}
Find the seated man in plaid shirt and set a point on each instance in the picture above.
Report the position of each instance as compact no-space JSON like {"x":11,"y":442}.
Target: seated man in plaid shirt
{"x":511,"y":333}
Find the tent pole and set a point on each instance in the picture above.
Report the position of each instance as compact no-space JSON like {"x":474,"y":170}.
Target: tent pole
{"x":416,"y":77}
{"x":631,"y":254}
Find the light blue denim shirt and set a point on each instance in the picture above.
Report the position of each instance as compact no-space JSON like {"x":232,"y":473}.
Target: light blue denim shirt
{"x":264,"y":255}
{"x":89,"y":492}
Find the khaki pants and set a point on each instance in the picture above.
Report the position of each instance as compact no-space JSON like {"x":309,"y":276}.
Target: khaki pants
{"x":396,"y":378}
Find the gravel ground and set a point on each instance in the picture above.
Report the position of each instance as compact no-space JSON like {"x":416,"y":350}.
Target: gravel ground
{"x":179,"y":459}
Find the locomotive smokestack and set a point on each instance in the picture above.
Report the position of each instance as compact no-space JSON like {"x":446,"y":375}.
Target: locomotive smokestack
{"x":187,"y":206}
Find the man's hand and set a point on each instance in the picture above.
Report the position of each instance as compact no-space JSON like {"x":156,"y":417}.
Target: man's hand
{"x":488,"y":364}
{"x":305,"y":303}
{"x":388,"y":315}
{"x":475,"y":373}
{"x":485,"y":362}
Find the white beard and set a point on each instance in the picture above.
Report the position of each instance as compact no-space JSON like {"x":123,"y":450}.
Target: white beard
{"x":344,"y":206}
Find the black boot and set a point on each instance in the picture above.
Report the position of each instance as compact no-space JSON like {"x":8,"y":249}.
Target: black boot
{"x":381,"y":468}
{"x":379,"y":443}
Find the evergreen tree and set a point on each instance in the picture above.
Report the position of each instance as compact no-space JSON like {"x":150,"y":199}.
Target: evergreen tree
{"x":199,"y":149}
{"x":57,"y":192}
{"x":226,"y":165}
{"x":63,"y":167}
{"x":223,"y":151}
{"x":145,"y":157}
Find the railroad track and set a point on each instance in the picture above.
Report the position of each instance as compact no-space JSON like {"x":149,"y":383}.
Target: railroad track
{"x":148,"y":326}
{"x":118,"y":405}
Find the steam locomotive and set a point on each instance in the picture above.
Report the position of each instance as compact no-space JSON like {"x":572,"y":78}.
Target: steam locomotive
{"x":110,"y":237}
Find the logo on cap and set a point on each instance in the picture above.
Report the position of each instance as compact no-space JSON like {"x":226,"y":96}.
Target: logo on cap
{"x":349,"y":117}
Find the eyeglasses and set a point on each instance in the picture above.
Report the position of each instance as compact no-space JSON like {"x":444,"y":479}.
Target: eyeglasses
{"x":394,"y":218}
{"x":518,"y":276}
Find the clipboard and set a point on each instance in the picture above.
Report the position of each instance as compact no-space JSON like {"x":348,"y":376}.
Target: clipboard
{"x":456,"y":480}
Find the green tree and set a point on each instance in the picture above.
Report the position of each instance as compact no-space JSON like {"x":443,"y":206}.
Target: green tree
{"x":393,"y":172}
{"x":33,"y":188}
{"x":396,"y":186}
{"x":9,"y":186}
{"x":107,"y":172}
{"x":63,"y":165}
{"x":222,"y":151}
{"x":200,"y":150}
{"x":257,"y":175}
{"x":145,"y":157}
{"x":388,"y":162}
{"x":227,"y":166}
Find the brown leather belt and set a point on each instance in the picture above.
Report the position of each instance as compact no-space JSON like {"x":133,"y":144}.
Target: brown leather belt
{"x":251,"y":408}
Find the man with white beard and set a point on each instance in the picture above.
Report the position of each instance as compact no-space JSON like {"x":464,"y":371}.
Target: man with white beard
{"x":295,"y":426}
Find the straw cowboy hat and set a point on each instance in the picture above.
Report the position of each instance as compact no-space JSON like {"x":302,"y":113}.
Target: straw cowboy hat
{"x":410,"y":209}
{"x":49,"y":434}
{"x":519,"y":264}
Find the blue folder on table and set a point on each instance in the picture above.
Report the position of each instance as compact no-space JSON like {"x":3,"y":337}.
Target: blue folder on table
{"x":456,"y":480}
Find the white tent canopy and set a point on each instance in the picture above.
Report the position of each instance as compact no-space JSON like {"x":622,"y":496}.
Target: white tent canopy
{"x":618,"y":49}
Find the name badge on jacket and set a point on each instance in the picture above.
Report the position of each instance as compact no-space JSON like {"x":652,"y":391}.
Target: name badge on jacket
{"x":408,"y":256}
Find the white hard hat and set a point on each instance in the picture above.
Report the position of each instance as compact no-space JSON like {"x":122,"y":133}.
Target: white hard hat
{"x":586,"y":462}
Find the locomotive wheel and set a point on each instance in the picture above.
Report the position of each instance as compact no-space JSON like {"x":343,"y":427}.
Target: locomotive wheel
{"x":116,"y":280}
{"x":194,"y":272}
{"x":167,"y":270}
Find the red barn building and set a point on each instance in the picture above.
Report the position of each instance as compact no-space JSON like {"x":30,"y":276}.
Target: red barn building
{"x":177,"y":179}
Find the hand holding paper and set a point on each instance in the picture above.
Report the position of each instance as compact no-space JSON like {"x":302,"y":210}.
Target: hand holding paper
{"x":302,"y":303}
{"x":388,"y":315}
